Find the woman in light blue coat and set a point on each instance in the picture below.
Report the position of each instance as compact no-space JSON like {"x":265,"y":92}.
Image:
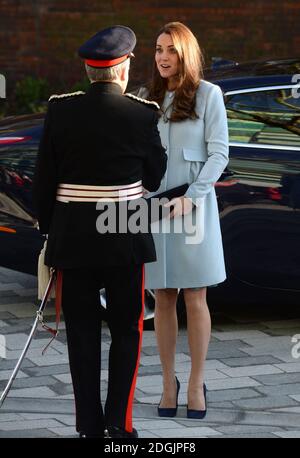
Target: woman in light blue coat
{"x":193,"y":128}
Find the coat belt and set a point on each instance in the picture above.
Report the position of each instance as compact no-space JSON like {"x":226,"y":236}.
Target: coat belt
{"x":88,"y":193}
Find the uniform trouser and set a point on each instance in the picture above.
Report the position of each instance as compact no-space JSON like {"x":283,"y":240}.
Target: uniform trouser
{"x":124,"y":287}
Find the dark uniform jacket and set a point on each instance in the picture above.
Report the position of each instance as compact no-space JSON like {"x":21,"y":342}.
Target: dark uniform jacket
{"x":100,"y":138}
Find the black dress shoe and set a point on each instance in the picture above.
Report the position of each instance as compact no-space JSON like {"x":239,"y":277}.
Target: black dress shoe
{"x":116,"y":432}
{"x":170,"y":411}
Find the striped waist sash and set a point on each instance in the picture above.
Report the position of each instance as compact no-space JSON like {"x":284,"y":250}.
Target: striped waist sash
{"x":87,"y":193}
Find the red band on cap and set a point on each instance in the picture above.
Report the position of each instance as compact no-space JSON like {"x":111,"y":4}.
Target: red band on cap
{"x":106,"y":63}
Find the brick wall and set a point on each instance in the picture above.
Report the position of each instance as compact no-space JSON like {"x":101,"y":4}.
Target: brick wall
{"x":40,"y":37}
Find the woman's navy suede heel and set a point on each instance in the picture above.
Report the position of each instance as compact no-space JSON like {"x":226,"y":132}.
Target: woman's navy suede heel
{"x":198,"y":414}
{"x":170,"y":411}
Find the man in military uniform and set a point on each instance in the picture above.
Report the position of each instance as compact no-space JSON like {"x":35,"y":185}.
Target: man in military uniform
{"x":99,"y":146}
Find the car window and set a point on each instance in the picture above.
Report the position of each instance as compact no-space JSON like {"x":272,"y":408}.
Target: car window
{"x":264,"y":117}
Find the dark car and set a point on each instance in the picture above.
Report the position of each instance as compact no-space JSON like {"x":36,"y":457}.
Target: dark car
{"x":258,"y":193}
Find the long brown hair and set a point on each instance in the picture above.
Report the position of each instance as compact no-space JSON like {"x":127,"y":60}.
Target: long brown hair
{"x":191,"y":63}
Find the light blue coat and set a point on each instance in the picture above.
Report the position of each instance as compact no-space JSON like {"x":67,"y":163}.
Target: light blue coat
{"x":197,"y":154}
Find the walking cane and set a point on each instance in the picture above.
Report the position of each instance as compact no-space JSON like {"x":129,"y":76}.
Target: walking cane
{"x":39,"y":318}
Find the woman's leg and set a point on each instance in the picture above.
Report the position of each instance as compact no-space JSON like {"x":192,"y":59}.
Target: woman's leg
{"x":199,"y":329}
{"x":166,"y":328}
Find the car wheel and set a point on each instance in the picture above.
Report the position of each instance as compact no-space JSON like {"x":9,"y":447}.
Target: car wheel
{"x":149,"y":306}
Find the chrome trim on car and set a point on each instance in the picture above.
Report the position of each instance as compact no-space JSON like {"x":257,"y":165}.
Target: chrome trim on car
{"x":261,"y":88}
{"x":264,"y":146}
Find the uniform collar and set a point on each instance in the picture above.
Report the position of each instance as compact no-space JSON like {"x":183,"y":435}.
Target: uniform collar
{"x":105,"y":88}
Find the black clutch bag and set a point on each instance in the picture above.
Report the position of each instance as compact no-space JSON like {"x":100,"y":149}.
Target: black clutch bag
{"x":155,"y":211}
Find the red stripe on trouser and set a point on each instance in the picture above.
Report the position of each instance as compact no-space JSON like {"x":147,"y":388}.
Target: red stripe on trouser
{"x":128,"y":419}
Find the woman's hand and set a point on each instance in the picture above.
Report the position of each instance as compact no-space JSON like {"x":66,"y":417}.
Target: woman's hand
{"x":182,"y":206}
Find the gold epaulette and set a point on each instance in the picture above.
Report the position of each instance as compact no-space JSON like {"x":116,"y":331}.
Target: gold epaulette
{"x":62,"y":96}
{"x":149,"y":103}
